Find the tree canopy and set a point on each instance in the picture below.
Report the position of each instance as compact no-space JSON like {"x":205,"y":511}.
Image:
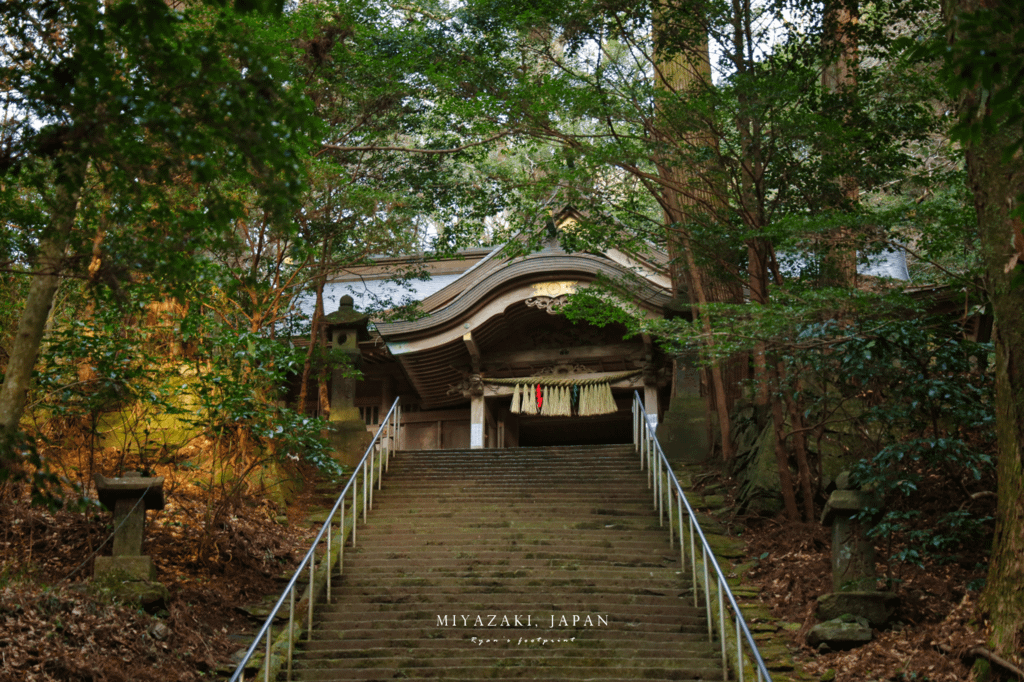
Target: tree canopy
{"x":211,"y":164}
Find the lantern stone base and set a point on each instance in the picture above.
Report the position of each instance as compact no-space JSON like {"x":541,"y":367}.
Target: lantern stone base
{"x":135,"y":567}
{"x":876,"y":607}
{"x":349,"y":440}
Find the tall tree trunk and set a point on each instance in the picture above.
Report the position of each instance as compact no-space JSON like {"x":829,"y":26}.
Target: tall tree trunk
{"x":324,"y":375}
{"x":45,"y":279}
{"x":997,"y":183}
{"x":759,"y":250}
{"x":782,"y":461}
{"x":799,"y":440}
{"x":686,"y":199}
{"x":841,"y":18}
{"x":314,"y":339}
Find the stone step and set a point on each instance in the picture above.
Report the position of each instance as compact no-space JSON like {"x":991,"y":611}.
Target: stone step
{"x":403,"y":638}
{"x":426,"y":666}
{"x":685,"y":645}
{"x":356,"y":628}
{"x":667,"y":603}
{"x":483,"y":565}
{"x":526,"y":617}
{"x":500,"y":670}
{"x":537,"y":532}
{"x":472,"y":592}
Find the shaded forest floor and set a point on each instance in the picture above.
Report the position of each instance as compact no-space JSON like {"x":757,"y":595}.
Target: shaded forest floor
{"x":928,"y":638}
{"x":55,"y":624}
{"x":936,"y":610}
{"x":58,"y":624}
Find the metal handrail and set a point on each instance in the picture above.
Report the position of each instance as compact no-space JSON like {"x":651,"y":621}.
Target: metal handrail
{"x":373,"y":465}
{"x":652,"y":457}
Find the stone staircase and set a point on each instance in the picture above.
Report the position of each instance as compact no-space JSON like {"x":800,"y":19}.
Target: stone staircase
{"x":525,"y":563}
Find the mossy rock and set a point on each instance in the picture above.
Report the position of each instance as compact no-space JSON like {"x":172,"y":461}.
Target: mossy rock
{"x":319,"y":517}
{"x":349,"y":440}
{"x":277,"y":484}
{"x":726,"y":546}
{"x":157,"y":431}
{"x":714,"y":501}
{"x":753,"y":612}
{"x":121,"y":587}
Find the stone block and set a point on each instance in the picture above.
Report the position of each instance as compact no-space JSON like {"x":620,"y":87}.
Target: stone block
{"x":277,"y":485}
{"x":761,"y":490}
{"x":683,"y":432}
{"x":349,"y":441}
{"x":877,"y":608}
{"x":843,"y":633}
{"x":148,"y":594}
{"x":133,"y":567}
{"x":847,"y":503}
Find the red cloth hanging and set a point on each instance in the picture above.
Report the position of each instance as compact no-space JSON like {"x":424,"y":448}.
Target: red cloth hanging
{"x":540,"y":398}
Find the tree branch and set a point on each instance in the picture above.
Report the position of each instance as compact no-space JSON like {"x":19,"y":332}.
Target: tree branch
{"x":412,"y":150}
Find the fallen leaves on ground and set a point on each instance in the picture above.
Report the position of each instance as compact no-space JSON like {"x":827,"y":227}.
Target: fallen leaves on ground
{"x":55,"y":626}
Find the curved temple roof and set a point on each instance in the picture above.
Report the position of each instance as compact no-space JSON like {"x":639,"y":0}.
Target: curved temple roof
{"x":499,"y":299}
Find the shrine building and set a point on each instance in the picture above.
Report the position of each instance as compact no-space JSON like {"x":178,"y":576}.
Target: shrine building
{"x":490,"y":362}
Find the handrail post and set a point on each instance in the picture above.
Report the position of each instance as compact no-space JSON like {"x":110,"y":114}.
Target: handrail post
{"x":266,"y":658}
{"x":707,"y":596}
{"x":693,"y":560}
{"x":739,"y":650}
{"x":371,"y":471}
{"x":327,"y":557}
{"x":682,"y":538}
{"x":643,"y":447}
{"x":312,"y":582}
{"x":654,"y":478}
{"x":646,"y":450}
{"x":291,"y":631}
{"x":721,"y":630}
{"x":657,"y":490}
{"x":671,"y":527}
{"x":662,"y":480}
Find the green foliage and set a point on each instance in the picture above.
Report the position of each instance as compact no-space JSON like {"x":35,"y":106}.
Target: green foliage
{"x":925,"y":397}
{"x":169,"y":108}
{"x":985,"y":56}
{"x":602,"y":304}
{"x":235,"y":376}
{"x":761,"y":142}
{"x":20,"y":463}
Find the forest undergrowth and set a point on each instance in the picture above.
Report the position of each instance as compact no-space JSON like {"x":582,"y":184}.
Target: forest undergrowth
{"x":56,"y":624}
{"x":934,"y":629}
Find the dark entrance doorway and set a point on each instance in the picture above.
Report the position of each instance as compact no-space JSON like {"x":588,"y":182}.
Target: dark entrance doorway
{"x":605,"y":429}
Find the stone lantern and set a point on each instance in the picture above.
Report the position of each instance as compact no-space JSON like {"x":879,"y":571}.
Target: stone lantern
{"x":129,"y":497}
{"x":344,"y":329}
{"x":853,"y":559}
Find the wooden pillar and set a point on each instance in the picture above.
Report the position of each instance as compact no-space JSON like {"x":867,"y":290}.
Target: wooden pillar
{"x":650,"y":377}
{"x":651,"y":402}
{"x":387,"y":395}
{"x":477,"y":411}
